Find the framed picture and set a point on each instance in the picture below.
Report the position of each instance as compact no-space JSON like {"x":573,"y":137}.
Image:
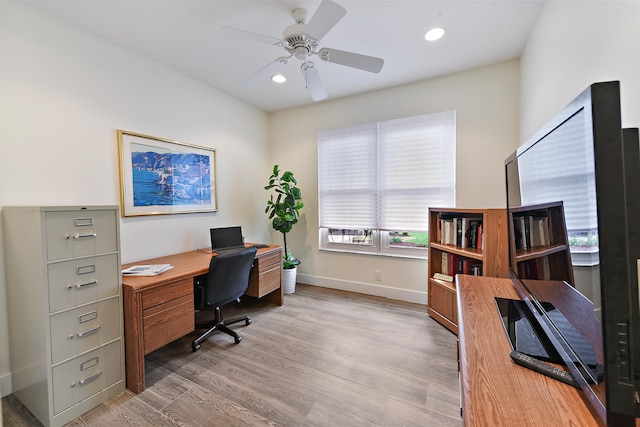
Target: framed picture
{"x":159,"y":176}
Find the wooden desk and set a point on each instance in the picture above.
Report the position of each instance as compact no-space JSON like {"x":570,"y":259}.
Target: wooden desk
{"x":494,"y":390}
{"x":159,"y":309}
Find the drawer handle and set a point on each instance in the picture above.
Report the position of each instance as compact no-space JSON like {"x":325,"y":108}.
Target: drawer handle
{"x":82,"y":285}
{"x":81,"y":236}
{"x":89,"y":379}
{"x":89,"y":332}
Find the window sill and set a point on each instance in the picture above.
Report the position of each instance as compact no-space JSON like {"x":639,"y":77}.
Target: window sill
{"x":372,"y":253}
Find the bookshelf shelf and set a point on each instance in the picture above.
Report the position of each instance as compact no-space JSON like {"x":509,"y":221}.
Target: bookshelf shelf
{"x":545,"y":258}
{"x":480,"y":247}
{"x":540,"y":252}
{"x":465,"y":252}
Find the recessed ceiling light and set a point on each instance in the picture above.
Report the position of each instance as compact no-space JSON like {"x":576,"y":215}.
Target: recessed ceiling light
{"x":434,"y":34}
{"x":278,"y":78}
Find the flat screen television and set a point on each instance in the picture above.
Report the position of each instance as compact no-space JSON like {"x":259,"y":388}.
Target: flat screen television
{"x":583,"y":162}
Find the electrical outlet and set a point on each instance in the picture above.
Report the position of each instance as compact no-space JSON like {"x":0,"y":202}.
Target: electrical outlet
{"x":377,"y":274}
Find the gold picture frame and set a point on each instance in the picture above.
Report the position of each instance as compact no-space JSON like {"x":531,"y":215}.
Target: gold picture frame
{"x":159,"y":176}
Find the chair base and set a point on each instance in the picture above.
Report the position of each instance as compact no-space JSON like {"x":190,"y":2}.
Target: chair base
{"x":220,"y":325}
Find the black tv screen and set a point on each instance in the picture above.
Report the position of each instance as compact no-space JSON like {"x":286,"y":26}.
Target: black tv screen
{"x":576,"y":161}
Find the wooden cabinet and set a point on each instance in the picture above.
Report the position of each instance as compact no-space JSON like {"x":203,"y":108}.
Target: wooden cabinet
{"x":65,"y":308}
{"x":468,"y":241}
{"x":539,"y":235}
{"x":265,"y":277}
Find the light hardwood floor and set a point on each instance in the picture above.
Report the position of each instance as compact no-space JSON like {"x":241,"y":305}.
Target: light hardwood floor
{"x":324,"y":358}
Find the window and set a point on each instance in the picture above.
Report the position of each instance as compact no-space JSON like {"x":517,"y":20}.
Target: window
{"x":377,"y":181}
{"x":568,"y":163}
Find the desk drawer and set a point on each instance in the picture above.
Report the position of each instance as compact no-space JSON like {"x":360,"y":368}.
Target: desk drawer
{"x":86,"y":375}
{"x":72,"y":234}
{"x":166,"y":293}
{"x":264,"y":278}
{"x":82,"y":281}
{"x":270,"y":259}
{"x":79,"y":330}
{"x":167,"y":322}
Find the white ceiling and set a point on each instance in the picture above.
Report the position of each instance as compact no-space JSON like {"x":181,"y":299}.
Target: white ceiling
{"x":181,"y":34}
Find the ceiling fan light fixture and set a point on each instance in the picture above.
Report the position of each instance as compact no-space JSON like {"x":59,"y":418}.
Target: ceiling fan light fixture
{"x":278,"y":78}
{"x":434,"y":34}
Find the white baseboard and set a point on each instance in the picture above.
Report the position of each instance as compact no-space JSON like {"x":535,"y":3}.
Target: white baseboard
{"x":5,"y":385}
{"x":364,"y":288}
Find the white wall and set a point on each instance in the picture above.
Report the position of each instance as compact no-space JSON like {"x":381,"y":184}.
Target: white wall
{"x":64,"y":93}
{"x":573,"y":45}
{"x":486,"y":103}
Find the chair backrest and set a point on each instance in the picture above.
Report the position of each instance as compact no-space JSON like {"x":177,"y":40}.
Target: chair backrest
{"x":228,"y":277}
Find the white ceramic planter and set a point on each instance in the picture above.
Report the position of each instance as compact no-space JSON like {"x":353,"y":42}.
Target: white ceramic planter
{"x":289,"y":280}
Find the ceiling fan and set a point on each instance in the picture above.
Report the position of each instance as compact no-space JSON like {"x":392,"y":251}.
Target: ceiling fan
{"x":300,"y":40}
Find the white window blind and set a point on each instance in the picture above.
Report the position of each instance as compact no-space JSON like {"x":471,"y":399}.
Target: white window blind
{"x":417,"y":169}
{"x":386,"y":175}
{"x":347,"y":177}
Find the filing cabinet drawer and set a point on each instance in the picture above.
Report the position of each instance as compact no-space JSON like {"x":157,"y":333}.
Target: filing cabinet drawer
{"x":268,"y":260}
{"x":79,"y":233}
{"x":167,"y":322}
{"x":168,"y":292}
{"x":269,"y":280}
{"x":86,"y":375}
{"x":79,"y":330}
{"x":82,"y":281}
{"x":265,"y":275}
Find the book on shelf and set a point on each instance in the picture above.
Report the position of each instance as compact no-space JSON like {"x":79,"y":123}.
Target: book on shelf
{"x":531,"y":231}
{"x":473,"y":233}
{"x":445,"y":262}
{"x":453,"y":264}
{"x":476,"y":270}
{"x":146,"y":270}
{"x":442,"y":276}
{"x":462,"y":231}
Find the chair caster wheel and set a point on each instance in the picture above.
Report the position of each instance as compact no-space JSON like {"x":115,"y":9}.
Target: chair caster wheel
{"x":238,"y":339}
{"x":247,"y":322}
{"x":195,"y":347}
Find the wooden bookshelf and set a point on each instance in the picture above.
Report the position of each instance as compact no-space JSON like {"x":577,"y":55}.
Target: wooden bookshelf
{"x":545,"y":258}
{"x":485,"y":253}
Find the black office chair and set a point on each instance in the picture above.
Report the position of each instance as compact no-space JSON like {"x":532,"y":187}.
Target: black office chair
{"x":227,"y":281}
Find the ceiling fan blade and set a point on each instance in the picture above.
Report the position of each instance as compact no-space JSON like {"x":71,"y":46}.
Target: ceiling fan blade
{"x":265,"y":72}
{"x":247,"y":35}
{"x":350,"y":59}
{"x":314,"y":83}
{"x":324,"y":19}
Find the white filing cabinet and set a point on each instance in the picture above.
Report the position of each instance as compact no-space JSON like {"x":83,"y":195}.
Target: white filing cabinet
{"x":65,"y":308}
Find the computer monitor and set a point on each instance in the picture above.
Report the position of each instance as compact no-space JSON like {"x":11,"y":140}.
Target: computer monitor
{"x":226,"y":238}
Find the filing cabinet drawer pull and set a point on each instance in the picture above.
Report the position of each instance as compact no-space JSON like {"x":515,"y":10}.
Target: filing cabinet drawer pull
{"x":81,"y":236}
{"x":87,"y":317}
{"x":89,"y":363}
{"x":86,"y":269}
{"x":83,"y":222}
{"x":89,"y":379}
{"x":82,"y":285}
{"x":89,"y":332}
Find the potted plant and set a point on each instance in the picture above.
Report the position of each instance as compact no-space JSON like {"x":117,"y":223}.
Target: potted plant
{"x":284,"y":211}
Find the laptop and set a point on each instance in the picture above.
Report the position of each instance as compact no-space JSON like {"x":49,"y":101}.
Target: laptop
{"x":226,"y":238}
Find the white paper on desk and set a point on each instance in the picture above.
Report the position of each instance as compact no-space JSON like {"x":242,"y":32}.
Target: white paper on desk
{"x":146,"y":270}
